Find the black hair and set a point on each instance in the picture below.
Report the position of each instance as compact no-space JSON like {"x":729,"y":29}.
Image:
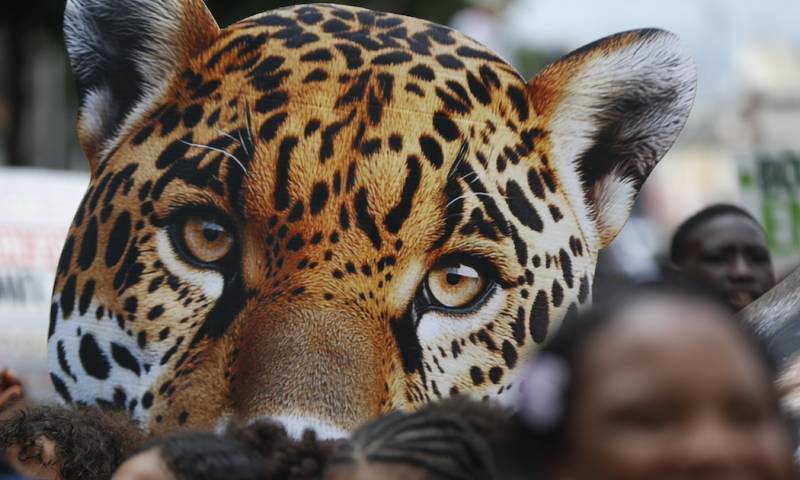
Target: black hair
{"x":90,"y":443}
{"x":680,"y":237}
{"x":285,"y":458}
{"x":208,"y":456}
{"x":494,"y":423}
{"x":441,"y":444}
{"x":541,"y":443}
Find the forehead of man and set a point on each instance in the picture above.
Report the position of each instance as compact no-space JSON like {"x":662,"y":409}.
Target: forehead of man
{"x":725,"y":230}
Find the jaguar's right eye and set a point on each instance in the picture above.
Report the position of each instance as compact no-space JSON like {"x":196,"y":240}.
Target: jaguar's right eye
{"x":203,"y":239}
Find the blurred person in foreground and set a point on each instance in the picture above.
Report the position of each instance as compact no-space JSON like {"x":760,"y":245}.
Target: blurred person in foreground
{"x":67,"y":443}
{"x":11,"y":391}
{"x":725,"y":247}
{"x":193,"y":456}
{"x":664,"y":384}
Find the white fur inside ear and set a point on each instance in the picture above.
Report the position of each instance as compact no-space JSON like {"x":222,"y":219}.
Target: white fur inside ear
{"x":634,"y":99}
{"x":101,"y":33}
{"x":97,"y":112}
{"x":613,"y":196}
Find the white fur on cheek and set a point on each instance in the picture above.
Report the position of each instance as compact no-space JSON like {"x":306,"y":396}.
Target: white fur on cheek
{"x":435,"y":325}
{"x":209,"y":281}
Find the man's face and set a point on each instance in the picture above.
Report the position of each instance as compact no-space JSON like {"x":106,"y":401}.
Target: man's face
{"x":730,"y":251}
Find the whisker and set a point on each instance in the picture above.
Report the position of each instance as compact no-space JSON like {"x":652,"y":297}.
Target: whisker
{"x":229,"y":136}
{"x":462,"y":154}
{"x":241,"y":142}
{"x":249,"y":123}
{"x":218,"y":150}
{"x":496,"y":196}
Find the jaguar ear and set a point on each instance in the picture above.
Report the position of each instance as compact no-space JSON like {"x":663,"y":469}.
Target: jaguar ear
{"x":123,"y":52}
{"x":613,"y":109}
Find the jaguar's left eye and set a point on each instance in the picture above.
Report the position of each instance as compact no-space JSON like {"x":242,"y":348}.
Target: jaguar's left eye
{"x":456,"y":285}
{"x":205,"y":240}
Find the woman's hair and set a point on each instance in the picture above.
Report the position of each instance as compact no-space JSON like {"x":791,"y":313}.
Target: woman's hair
{"x":442,"y":444}
{"x":285,"y":458}
{"x":90,"y":443}
{"x":208,"y":456}
{"x":548,"y":390}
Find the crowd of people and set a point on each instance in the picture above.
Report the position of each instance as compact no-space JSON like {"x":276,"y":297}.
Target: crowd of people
{"x":661,"y":382}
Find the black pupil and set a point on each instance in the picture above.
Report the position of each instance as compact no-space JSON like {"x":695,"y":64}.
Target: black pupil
{"x":453,"y":278}
{"x":212,"y":232}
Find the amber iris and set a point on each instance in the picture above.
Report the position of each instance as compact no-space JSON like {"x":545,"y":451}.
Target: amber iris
{"x":206,"y":240}
{"x":456,"y":285}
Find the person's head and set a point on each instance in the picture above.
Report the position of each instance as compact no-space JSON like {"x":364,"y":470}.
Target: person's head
{"x":725,"y":246}
{"x":425,"y":445}
{"x":493,"y":423}
{"x":60,"y":443}
{"x":285,"y":458}
{"x":663,"y":384}
{"x":193,"y":456}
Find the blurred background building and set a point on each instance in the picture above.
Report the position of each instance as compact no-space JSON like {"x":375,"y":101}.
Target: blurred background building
{"x":741,"y":144}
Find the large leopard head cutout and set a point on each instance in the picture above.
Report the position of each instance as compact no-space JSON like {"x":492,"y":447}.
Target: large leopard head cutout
{"x":322,"y":213}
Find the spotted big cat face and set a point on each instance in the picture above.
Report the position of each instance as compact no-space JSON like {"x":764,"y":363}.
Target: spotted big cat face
{"x":323,"y":213}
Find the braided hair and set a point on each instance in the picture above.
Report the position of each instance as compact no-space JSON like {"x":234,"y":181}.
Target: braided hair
{"x":442,"y":445}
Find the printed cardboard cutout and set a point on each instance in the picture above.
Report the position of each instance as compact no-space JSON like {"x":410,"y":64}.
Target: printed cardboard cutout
{"x":776,"y":317}
{"x":322,"y":213}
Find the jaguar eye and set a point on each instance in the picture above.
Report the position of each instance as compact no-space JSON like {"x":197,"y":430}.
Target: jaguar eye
{"x":205,"y":240}
{"x":456,"y":285}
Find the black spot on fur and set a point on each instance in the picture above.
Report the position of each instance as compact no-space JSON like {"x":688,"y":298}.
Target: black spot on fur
{"x":566,"y":267}
{"x":495,"y":375}
{"x":432,"y":150}
{"x":118,"y":239}
{"x":319,"y":198}
{"x":123,"y":357}
{"x":477,"y":375}
{"x":86,"y":297}
{"x":555,"y":212}
{"x":557,"y":294}
{"x":520,"y":102}
{"x":61,"y":388}
{"x":445,"y":126}
{"x":282,"y":173}
{"x":269,"y":129}
{"x":365,"y":221}
{"x":540,"y":317}
{"x":423,"y":72}
{"x":522,"y":208}
{"x":94,"y":361}
{"x":155,"y":312}
{"x":192,"y":115}
{"x":399,"y":214}
{"x":449,"y":61}
{"x":509,"y":354}
{"x":392,"y":58}
{"x":68,"y":297}
{"x":88,"y":246}
{"x":317,"y":56}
